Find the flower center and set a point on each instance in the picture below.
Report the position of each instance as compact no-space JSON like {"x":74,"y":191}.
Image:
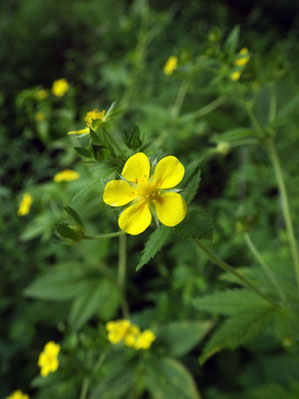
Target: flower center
{"x":147,"y":190}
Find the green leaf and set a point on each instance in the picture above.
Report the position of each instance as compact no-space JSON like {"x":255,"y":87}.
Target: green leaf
{"x":96,"y":296}
{"x":180,"y":337}
{"x":197,"y":224}
{"x":228,"y":302}
{"x":66,"y":232}
{"x":167,"y":378}
{"x":192,"y":178}
{"x":235,"y":134}
{"x":289,"y":107}
{"x":74,"y":215}
{"x":155,"y":242}
{"x":83,"y":151}
{"x":238,"y":329}
{"x":232,"y":39}
{"x":94,"y":137}
{"x":60,"y":284}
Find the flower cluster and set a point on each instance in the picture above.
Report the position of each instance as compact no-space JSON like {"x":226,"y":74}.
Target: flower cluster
{"x":18,"y":395}
{"x":150,"y":194}
{"x":25,"y":204}
{"x":170,"y":65}
{"x":60,"y":87}
{"x":130,"y":334}
{"x":66,"y":175}
{"x":48,"y":359}
{"x":94,"y":117}
{"x":241,"y":61}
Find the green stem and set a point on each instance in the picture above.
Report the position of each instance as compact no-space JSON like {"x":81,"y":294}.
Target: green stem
{"x":122,"y":264}
{"x":114,"y":143}
{"x":209,"y":107}
{"x":109,"y":235}
{"x":272,"y":105}
{"x":264,"y":265}
{"x":84,"y":389}
{"x":231,"y":270}
{"x":179,"y":100}
{"x":285,"y":207}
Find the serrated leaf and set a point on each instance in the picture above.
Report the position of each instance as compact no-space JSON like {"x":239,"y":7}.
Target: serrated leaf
{"x":235,"y":134}
{"x":66,"y":232}
{"x":83,"y":151}
{"x":155,"y":242}
{"x":167,"y":378}
{"x":95,"y":296}
{"x":180,"y":337}
{"x":232,"y":39}
{"x":196,"y":224}
{"x":74,"y":215}
{"x":239,"y":329}
{"x":228,"y":302}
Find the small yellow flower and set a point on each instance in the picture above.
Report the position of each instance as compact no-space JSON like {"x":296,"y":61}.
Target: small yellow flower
{"x":42,"y":94}
{"x":117,"y":330}
{"x":170,"y":65}
{"x":25,"y":204}
{"x":235,"y":76}
{"x":60,"y":87}
{"x":18,"y":395}
{"x":169,"y":206}
{"x":66,"y":175}
{"x":243,"y":57}
{"x":92,"y":116}
{"x":145,"y":340}
{"x":48,"y":359}
{"x":39,"y":117}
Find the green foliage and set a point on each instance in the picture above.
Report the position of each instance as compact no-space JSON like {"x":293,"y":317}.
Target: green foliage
{"x":197,"y":224}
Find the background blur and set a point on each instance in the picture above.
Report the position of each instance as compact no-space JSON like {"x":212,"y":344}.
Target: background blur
{"x":115,"y":51}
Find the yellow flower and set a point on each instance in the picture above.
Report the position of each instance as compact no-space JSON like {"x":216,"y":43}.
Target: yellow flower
{"x":170,"y":65}
{"x":145,"y":340}
{"x":235,"y":76}
{"x":92,"y":116}
{"x":117,"y":330}
{"x":60,"y":87}
{"x":48,"y":359}
{"x":41,"y":94}
{"x":25,"y":204}
{"x":39,"y":117}
{"x":66,"y":175}
{"x":243,"y":57}
{"x":18,"y":395}
{"x":147,"y":193}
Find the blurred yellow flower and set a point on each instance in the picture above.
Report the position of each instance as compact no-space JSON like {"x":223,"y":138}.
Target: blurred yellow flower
{"x":48,"y":359}
{"x":123,"y":330}
{"x":25,"y":204}
{"x":39,"y":117}
{"x":92,"y":116}
{"x":66,"y":175}
{"x":41,"y":94}
{"x":60,"y":87}
{"x":170,"y":65}
{"x":243,"y":57}
{"x":18,"y":395}
{"x":235,"y":76}
{"x":146,"y":192}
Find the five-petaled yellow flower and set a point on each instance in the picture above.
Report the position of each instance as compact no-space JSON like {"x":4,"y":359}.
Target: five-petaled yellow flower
{"x":243,"y":57}
{"x":148,"y":193}
{"x":130,"y":334}
{"x":60,"y":87}
{"x":66,"y":175}
{"x":18,"y":395}
{"x":48,"y":359}
{"x":170,"y":65}
{"x":25,"y":204}
{"x":91,"y":117}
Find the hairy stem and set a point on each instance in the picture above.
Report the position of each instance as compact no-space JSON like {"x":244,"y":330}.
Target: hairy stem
{"x":231,"y":270}
{"x":264,"y":265}
{"x":122,"y":264}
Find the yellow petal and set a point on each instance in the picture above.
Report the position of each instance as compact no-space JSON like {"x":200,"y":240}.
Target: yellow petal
{"x":137,"y":168}
{"x":171,"y":208}
{"x":42,"y":359}
{"x":135,"y":219}
{"x":169,"y":172}
{"x":82,"y":131}
{"x":118,"y":193}
{"x":44,"y":371}
{"x":53,"y":365}
{"x":52,"y":349}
